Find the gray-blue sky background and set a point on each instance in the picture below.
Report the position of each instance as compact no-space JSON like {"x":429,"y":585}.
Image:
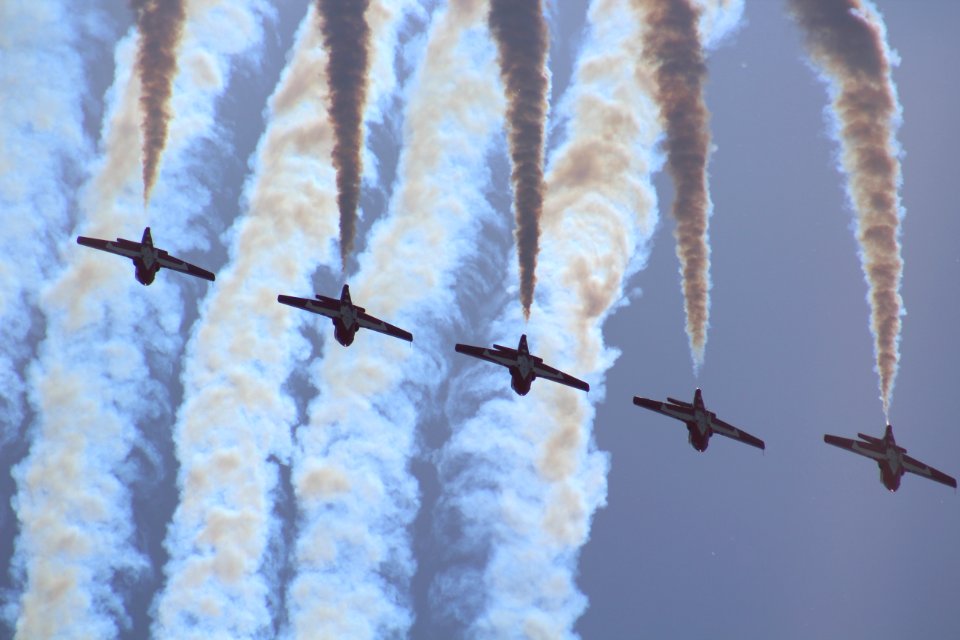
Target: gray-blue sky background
{"x":801,"y":541}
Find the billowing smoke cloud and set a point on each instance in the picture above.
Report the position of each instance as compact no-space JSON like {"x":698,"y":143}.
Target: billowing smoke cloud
{"x":232,"y":417}
{"x":108,"y":350}
{"x":346,"y":37}
{"x":847,"y":41}
{"x":522,"y":476}
{"x":237,"y":411}
{"x":161,"y":26}
{"x":356,"y":495}
{"x":673,"y":52}
{"x":520,"y":31}
{"x":41,"y":141}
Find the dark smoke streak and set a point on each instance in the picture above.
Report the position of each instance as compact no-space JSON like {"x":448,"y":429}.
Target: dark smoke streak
{"x":673,"y":50}
{"x":346,"y":37}
{"x":520,"y":31}
{"x":847,"y":42}
{"x":160,"y":23}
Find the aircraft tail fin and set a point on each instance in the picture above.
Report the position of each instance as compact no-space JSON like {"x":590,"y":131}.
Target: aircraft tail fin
{"x":522,"y":346}
{"x":345,"y":294}
{"x":698,"y":398}
{"x":147,"y":237}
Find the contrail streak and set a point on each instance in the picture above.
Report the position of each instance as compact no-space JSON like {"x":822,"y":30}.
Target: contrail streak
{"x":522,"y":476}
{"x":237,"y":416}
{"x":346,"y":37}
{"x":160,"y":23}
{"x":232,"y":418}
{"x":41,"y":141}
{"x":673,"y":52}
{"x":520,"y":31}
{"x":43,"y":148}
{"x":100,"y":373}
{"x":847,"y":41}
{"x":356,"y":495}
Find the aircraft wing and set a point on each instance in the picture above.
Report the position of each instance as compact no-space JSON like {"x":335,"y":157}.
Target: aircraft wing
{"x":127,"y":250}
{"x":678,"y":413}
{"x":915,"y":466}
{"x":490,"y":355}
{"x":727,"y":429}
{"x":367,"y":321}
{"x":322,"y":307}
{"x":167,"y":261}
{"x":874,"y":452}
{"x":549,"y":373}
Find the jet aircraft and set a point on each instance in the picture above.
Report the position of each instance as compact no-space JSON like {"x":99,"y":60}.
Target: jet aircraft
{"x":347,"y":317}
{"x":147,"y":259}
{"x":524,"y":368}
{"x":890,"y":457}
{"x":701,"y":424}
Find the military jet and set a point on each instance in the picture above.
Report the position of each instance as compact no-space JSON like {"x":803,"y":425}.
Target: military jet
{"x":524,"y":368}
{"x":146,"y":258}
{"x":701,"y":424}
{"x":890,"y":457}
{"x":347,"y":317}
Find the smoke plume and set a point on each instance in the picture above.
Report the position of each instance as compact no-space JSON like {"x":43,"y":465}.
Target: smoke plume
{"x":673,"y":52}
{"x":232,"y":417}
{"x":238,"y":414}
{"x":41,"y":141}
{"x":522,"y":477}
{"x":161,"y":26}
{"x":520,"y":31}
{"x":351,"y":466}
{"x":346,"y":37}
{"x":104,"y":365}
{"x":847,"y":41}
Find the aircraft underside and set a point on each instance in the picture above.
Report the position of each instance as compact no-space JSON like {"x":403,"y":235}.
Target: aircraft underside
{"x":518,"y":384}
{"x":889,"y":479}
{"x":144,"y":274}
{"x":699,"y":441}
{"x":343,"y":335}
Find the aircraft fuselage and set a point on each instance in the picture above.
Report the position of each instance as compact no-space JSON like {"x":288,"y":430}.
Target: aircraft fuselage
{"x":146,"y":264}
{"x":345,"y":326}
{"x":891,"y":467}
{"x":521,"y":375}
{"x":700,"y":428}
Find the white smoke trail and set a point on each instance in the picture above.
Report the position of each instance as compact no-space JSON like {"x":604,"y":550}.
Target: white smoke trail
{"x":42,"y":149}
{"x":354,"y":489}
{"x":236,"y":410}
{"x":522,"y":476}
{"x":107,"y":340}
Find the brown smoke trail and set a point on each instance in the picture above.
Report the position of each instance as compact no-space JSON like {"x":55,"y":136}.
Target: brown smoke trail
{"x":674,"y":53}
{"x":346,"y":37}
{"x":160,"y":23}
{"x":520,"y":31}
{"x":847,"y":40}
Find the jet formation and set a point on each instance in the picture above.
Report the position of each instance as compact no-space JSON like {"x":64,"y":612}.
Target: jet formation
{"x":348,"y":318}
